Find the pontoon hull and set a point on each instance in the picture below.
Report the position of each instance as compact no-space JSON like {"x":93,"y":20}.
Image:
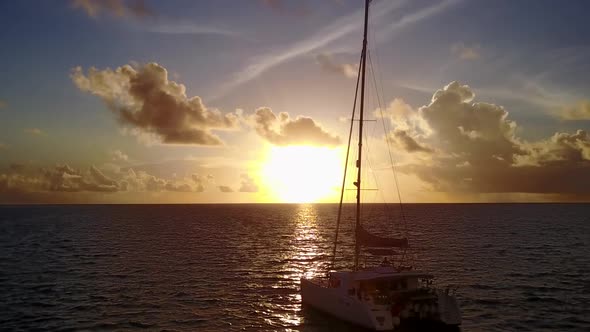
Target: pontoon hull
{"x":347,"y":308}
{"x":337,"y":302}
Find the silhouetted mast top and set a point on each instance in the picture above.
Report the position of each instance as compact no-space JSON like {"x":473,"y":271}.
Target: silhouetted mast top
{"x":357,"y":247}
{"x":362,"y":237}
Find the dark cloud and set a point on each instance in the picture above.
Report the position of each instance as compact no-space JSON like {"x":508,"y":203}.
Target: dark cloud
{"x":144,"y":99}
{"x":408,"y":143}
{"x":16,"y":167}
{"x":68,"y":179}
{"x":326,"y":61}
{"x":225,"y":189}
{"x":102,"y":181}
{"x":580,"y":111}
{"x":119,"y":8}
{"x":466,"y":52}
{"x":247,"y":184}
{"x":282,"y":130}
{"x":168,"y":181}
{"x":475,"y":149}
{"x":181,"y":187}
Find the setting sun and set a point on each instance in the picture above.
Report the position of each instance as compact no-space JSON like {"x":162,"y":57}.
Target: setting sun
{"x":303,"y":174}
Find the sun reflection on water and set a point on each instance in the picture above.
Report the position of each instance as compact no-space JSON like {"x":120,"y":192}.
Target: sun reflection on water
{"x":307,"y":257}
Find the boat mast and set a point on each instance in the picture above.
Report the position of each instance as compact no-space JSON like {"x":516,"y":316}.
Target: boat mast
{"x":357,"y":248}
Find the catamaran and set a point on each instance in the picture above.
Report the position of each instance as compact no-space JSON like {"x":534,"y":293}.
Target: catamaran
{"x":386,"y":296}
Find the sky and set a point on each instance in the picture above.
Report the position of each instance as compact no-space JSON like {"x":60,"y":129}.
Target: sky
{"x":250,"y":101}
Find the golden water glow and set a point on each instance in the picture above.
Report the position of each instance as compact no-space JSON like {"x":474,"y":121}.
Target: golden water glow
{"x":303,"y":174}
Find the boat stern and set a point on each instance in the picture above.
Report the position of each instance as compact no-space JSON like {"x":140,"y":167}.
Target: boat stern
{"x":448,"y":308}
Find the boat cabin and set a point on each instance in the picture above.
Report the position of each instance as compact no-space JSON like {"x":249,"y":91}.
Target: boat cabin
{"x":381,"y":285}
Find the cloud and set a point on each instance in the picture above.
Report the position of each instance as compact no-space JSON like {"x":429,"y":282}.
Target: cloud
{"x":580,"y":111}
{"x":407,"y":142}
{"x":118,"y":155}
{"x":169,"y":181}
{"x":474,"y":148}
{"x":64,"y":178}
{"x":199,"y":182}
{"x":225,"y":189}
{"x":16,"y":167}
{"x":141,"y":181}
{"x":282,"y":130}
{"x":404,"y":118}
{"x":102,"y":180}
{"x":247,"y":184}
{"x":327,"y":63}
{"x":68,"y":179}
{"x":336,"y":30}
{"x":144,"y":99}
{"x":465,"y":52}
{"x":34,"y":131}
{"x":118,"y":8}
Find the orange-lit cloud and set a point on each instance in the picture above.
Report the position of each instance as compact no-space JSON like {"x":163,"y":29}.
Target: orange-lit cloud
{"x":225,"y":189}
{"x":247,"y":184}
{"x":476,"y":149}
{"x":327,"y":63}
{"x":34,"y":131}
{"x":118,"y":155}
{"x":282,"y":130}
{"x":408,"y":143}
{"x":580,"y":111}
{"x":28,"y":183}
{"x":199,"y":182}
{"x":144,"y":99}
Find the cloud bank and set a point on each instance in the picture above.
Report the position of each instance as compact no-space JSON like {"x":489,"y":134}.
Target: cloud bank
{"x":580,"y":111}
{"x":474,"y":148}
{"x":144,"y":99}
{"x":64,"y":178}
{"x":334,"y":31}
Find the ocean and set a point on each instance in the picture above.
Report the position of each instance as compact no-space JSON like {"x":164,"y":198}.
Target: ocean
{"x":516,"y":267}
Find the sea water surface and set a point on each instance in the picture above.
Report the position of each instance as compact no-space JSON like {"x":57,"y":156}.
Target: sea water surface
{"x":517,"y":267}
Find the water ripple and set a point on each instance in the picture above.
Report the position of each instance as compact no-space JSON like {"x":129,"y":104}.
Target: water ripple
{"x":237,"y":267}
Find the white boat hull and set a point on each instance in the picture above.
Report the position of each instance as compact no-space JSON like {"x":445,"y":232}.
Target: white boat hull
{"x":335,"y":302}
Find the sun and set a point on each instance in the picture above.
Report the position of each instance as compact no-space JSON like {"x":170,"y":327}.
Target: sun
{"x":303,"y":174}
